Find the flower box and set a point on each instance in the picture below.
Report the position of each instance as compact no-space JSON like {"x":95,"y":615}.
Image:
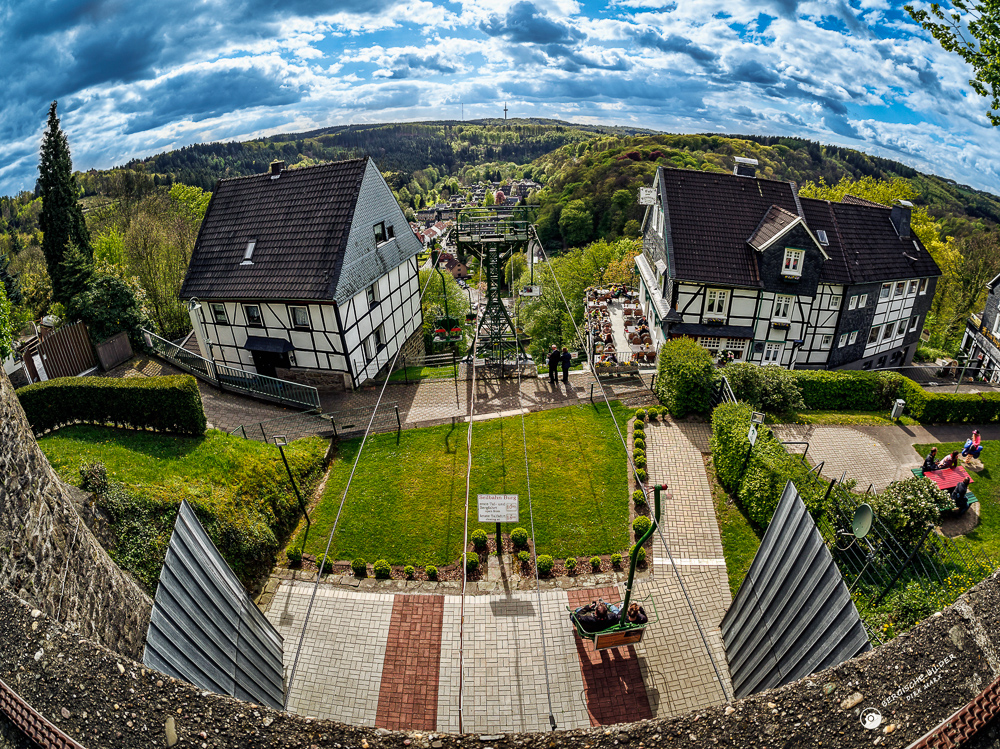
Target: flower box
{"x":788,"y":278}
{"x":714,"y":321}
{"x":780,"y":325}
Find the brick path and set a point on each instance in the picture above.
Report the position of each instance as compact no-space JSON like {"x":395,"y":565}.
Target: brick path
{"x":409,"y":693}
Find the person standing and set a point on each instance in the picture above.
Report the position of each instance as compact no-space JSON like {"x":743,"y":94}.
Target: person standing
{"x":553,"y":361}
{"x":566,"y":359}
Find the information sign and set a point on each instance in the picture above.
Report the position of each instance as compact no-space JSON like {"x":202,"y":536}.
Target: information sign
{"x":752,"y":435}
{"x":498,"y":508}
{"x":647,"y":196}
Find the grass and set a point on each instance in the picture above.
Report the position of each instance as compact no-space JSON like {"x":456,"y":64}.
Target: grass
{"x":739,"y":541}
{"x":877,"y":418}
{"x":410,"y":374}
{"x":407,"y":501}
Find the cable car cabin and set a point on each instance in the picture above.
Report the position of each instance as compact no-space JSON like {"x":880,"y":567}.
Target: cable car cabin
{"x":530,"y":290}
{"x":619,"y":633}
{"x":447,"y":331}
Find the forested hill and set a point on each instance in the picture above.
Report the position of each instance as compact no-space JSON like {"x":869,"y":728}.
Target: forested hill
{"x":400,"y":147}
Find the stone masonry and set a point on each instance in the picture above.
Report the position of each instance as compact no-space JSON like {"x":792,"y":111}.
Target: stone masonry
{"x":48,"y":555}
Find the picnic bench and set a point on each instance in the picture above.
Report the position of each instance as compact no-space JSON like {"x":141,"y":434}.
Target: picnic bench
{"x":969,"y":496}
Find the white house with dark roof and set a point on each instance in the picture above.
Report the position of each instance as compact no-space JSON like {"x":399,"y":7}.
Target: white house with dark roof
{"x":306,"y":274}
{"x":746,"y":265}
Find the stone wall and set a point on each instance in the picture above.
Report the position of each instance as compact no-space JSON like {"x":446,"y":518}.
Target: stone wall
{"x":48,"y":556}
{"x":413,"y":351}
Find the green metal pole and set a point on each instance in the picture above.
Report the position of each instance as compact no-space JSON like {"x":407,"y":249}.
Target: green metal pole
{"x":634,"y":556}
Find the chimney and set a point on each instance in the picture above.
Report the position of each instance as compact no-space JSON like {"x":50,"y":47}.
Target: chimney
{"x":745,"y":167}
{"x":277,"y":167}
{"x":900,"y":217}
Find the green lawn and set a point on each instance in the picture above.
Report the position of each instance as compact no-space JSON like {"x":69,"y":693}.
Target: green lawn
{"x":839,"y":417}
{"x":739,"y":542}
{"x":410,"y":374}
{"x":407,"y":501}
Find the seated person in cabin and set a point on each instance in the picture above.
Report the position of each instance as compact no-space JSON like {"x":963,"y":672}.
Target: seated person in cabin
{"x":950,"y":461}
{"x":637,"y":614}
{"x":930,"y":462}
{"x":973,"y":446}
{"x":958,"y":495}
{"x":597,"y":618}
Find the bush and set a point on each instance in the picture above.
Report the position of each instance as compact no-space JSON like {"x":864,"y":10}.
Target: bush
{"x":653,"y":413}
{"x":294,"y":555}
{"x":910,"y":507}
{"x":616,"y":560}
{"x":926,"y":406}
{"x":359,"y":567}
{"x":471,"y":561}
{"x":432,"y":572}
{"x":767,"y":388}
{"x":383,"y":570}
{"x":595,"y":564}
{"x":544,"y":564}
{"x":640,"y":475}
{"x":640,"y":557}
{"x":570,"y":564}
{"x":848,"y":391}
{"x":640,"y":525}
{"x":639,"y":497}
{"x":640,"y":414}
{"x":325,"y":566}
{"x":524,"y":556}
{"x":911,"y":605}
{"x":639,"y":459}
{"x":639,"y":445}
{"x":638,"y":434}
{"x":519,"y":537}
{"x":684,"y":377}
{"x":163,"y":404}
{"x":409,"y":571}
{"x":479,"y":539}
{"x":94,"y":477}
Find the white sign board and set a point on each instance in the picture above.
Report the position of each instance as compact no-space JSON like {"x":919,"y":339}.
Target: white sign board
{"x":647,"y":196}
{"x":498,"y":508}
{"x":752,"y":435}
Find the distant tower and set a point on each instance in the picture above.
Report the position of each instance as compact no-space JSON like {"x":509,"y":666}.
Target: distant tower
{"x":505,"y":110}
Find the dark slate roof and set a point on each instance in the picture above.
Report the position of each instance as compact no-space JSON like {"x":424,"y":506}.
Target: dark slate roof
{"x":714,"y":218}
{"x":855,"y":200}
{"x":775,"y":221}
{"x":300,"y":222}
{"x":270,"y":345}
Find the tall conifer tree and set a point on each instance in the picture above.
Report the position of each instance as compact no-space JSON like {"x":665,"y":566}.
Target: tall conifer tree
{"x":61,"y":219}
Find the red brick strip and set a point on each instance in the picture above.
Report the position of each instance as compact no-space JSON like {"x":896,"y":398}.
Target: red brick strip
{"x":409,"y":691}
{"x":612,"y":678}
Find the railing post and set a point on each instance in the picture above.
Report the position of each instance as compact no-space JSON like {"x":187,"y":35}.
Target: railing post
{"x":244,"y":431}
{"x":592,"y":392}
{"x":399,"y":424}
{"x":406,"y":375}
{"x":261,"y":425}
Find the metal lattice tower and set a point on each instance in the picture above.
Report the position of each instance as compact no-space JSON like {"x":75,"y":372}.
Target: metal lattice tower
{"x":494,"y":234}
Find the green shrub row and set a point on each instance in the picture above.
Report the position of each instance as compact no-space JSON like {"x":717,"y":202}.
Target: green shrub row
{"x":949,"y":407}
{"x":848,"y":391}
{"x":163,"y":404}
{"x":684,"y":377}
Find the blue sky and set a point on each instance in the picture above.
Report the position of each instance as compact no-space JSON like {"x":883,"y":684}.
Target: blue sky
{"x":134,"y":77}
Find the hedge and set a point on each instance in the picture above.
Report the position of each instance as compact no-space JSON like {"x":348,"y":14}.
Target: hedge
{"x":949,"y":407}
{"x":163,"y":404}
{"x":684,"y":377}
{"x":849,"y":390}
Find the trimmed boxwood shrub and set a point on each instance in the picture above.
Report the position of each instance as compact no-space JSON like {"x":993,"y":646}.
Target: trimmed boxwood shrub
{"x":616,"y":560}
{"x":639,"y":459}
{"x":640,"y":557}
{"x":544,"y":563}
{"x":432,"y":572}
{"x":163,"y":404}
{"x":638,"y":434}
{"x":570,"y":563}
{"x":640,"y":414}
{"x":639,"y":445}
{"x":638,"y":497}
{"x":519,"y":537}
{"x":946,"y":407}
{"x":640,"y":475}
{"x":383,"y":570}
{"x":595,"y":564}
{"x":360,"y":567}
{"x":471,"y":561}
{"x":684,"y":377}
{"x":479,"y":539}
{"x":294,"y":555}
{"x":524,"y":556}
{"x":848,"y":391}
{"x":640,"y":525}
{"x":409,"y":571}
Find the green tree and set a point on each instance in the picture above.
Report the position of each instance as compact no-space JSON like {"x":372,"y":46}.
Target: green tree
{"x":109,"y":306}
{"x":972,"y":31}
{"x":488,"y":199}
{"x":442,"y":287}
{"x":6,"y":326}
{"x":61,"y":219}
{"x":515,"y":268}
{"x":576,"y":224}
{"x":75,"y":270}
{"x":9,"y":281}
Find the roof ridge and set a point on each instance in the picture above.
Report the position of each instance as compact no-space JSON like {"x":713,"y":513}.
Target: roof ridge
{"x":296,"y":170}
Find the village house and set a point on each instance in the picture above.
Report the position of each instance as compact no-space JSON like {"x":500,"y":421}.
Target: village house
{"x":306,"y":274}
{"x":981,"y":341}
{"x":745,"y":265}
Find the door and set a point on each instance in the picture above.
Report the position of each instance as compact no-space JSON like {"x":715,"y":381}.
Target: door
{"x":39,"y":367}
{"x":266,"y":362}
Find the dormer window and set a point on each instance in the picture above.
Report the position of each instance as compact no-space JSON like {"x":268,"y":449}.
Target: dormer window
{"x":380,"y":235}
{"x":821,"y":236}
{"x":793,"y":263}
{"x":248,"y":252}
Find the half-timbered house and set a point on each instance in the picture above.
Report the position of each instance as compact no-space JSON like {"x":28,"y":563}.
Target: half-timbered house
{"x":746,"y":265}
{"x":981,"y":341}
{"x":306,"y":274}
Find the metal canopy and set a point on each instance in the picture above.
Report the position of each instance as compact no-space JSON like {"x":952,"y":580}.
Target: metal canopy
{"x":205,"y":630}
{"x":793,"y":615}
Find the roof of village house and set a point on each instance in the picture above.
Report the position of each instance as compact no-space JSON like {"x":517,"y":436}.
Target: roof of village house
{"x":299,"y":223}
{"x":713,"y":219}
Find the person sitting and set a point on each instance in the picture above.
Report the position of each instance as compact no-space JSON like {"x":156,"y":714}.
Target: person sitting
{"x":958,"y":494}
{"x":950,"y":461}
{"x":930,"y":462}
{"x":597,"y":618}
{"x":636,"y":614}
{"x":973,"y":446}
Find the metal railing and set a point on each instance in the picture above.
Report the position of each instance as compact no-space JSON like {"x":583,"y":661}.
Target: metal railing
{"x":232,"y":378}
{"x":722,"y":392}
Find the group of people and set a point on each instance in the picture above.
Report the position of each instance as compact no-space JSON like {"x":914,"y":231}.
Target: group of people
{"x":959,"y":494}
{"x":556,"y":358}
{"x":599,"y":616}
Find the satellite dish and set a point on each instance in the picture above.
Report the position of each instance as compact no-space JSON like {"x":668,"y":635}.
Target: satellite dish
{"x":862,"y":523}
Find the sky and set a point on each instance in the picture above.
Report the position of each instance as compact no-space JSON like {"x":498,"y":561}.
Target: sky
{"x":136,"y":77}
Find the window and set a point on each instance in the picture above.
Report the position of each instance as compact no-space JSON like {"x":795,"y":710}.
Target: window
{"x":782,"y":306}
{"x":380,"y":235}
{"x":901,"y":327}
{"x":715,"y":302}
{"x":887,"y":331}
{"x":880,"y":363}
{"x":379,"y":337}
{"x":252,"y":313}
{"x":843,"y":340}
{"x":827,"y":341}
{"x":369,"y":347}
{"x":835,"y":301}
{"x":862,"y":301}
{"x":793,"y":263}
{"x":772,"y":353}
{"x":854,"y":336}
{"x":867,"y":364}
{"x":821,"y":236}
{"x":370,"y":292}
{"x":913,"y":322}
{"x":886,"y":290}
{"x":853,"y":303}
{"x":912,"y":288}
{"x":712,"y":344}
{"x":873,"y":335}
{"x":390,"y":232}
{"x":900,"y":287}
{"x":248,"y":252}
{"x":219,"y":313}
{"x":923,"y":285}
{"x":300,"y":317}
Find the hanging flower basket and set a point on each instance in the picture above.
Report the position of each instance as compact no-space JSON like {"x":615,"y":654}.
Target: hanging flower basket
{"x":780,"y":325}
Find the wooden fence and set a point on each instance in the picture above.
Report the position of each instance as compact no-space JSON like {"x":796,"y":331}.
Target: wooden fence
{"x":114,"y":351}
{"x":67,"y":352}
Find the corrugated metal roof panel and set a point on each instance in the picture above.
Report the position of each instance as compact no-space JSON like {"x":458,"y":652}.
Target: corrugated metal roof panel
{"x":204,"y":629}
{"x":793,"y":615}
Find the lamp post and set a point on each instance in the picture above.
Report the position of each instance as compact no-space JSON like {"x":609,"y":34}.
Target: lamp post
{"x":280,"y":441}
